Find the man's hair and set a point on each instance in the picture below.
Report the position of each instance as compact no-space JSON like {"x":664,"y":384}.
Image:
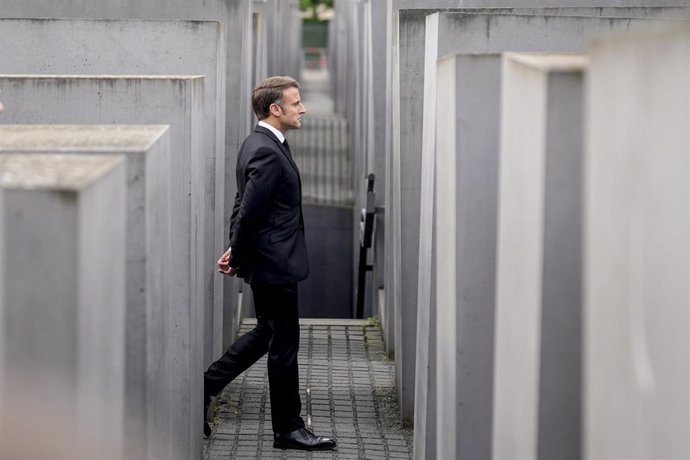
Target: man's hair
{"x":270,"y":91}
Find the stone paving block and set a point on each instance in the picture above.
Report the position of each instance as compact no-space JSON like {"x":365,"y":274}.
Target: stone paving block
{"x":145,"y":150}
{"x":62,"y":374}
{"x":73,"y":46}
{"x":357,"y":436}
{"x":173,"y":100}
{"x":637,"y":246}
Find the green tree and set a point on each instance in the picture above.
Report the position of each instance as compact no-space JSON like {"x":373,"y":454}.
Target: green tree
{"x":311,"y":5}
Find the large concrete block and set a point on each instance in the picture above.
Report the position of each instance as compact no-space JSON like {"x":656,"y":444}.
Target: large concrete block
{"x":146,"y":153}
{"x":173,"y":100}
{"x":378,"y":101}
{"x":637,"y":246}
{"x":237,"y":17}
{"x":75,"y":46}
{"x":408,"y":83}
{"x":473,"y":204}
{"x":62,"y":304}
{"x":465,"y":219}
{"x":537,"y":394}
{"x":283,"y":37}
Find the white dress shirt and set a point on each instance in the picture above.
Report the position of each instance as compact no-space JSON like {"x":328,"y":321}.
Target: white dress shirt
{"x":278,"y":134}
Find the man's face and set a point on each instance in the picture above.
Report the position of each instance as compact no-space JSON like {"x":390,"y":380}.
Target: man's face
{"x":290,"y":114}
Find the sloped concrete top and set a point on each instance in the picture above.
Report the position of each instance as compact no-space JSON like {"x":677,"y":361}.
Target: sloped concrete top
{"x":102,"y":77}
{"x":550,"y":62}
{"x":54,"y":172}
{"x":496,"y":33}
{"x":79,"y":138}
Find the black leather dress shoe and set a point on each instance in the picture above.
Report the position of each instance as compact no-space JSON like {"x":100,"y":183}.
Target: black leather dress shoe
{"x":302,"y":439}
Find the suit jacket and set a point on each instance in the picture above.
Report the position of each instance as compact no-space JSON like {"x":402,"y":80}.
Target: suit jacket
{"x":267,"y":226}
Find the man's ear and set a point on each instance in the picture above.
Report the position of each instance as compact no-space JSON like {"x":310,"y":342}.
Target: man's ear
{"x":274,"y":109}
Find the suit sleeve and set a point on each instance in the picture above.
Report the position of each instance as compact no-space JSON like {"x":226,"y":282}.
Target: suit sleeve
{"x":233,"y":217}
{"x":262,"y":172}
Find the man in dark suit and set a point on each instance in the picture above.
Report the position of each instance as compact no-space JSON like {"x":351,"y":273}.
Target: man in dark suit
{"x":267,"y":249}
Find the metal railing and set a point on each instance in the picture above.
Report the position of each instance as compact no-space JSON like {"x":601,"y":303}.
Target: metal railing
{"x":321,"y":151}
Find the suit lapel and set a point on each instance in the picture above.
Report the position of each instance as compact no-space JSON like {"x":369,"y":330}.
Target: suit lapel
{"x":287,"y":154}
{"x":280,"y":145}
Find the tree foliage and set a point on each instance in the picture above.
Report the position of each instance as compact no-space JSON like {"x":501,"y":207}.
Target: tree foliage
{"x":311,"y":5}
{"x":308,"y":5}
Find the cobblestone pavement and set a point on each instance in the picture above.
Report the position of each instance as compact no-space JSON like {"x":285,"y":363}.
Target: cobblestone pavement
{"x":347,"y":392}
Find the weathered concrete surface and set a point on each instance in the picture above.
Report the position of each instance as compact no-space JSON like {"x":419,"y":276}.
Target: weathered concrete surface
{"x":237,"y":17}
{"x":425,"y":357}
{"x":173,"y":100}
{"x":146,"y":152}
{"x":75,"y":46}
{"x":283,"y":38}
{"x":637,"y":246}
{"x":62,"y":304}
{"x":478,"y":77}
{"x":465,"y":257}
{"x":537,"y":395}
{"x":405,"y":162}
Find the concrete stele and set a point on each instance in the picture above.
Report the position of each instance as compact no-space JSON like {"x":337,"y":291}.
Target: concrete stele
{"x":477,"y":108}
{"x":236,"y":15}
{"x":637,"y":246}
{"x":537,"y":393}
{"x":173,"y":100}
{"x":146,"y":152}
{"x":404,"y":163}
{"x":75,"y":46}
{"x":62,"y":220}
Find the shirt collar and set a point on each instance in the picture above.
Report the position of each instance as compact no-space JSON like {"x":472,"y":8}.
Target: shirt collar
{"x":277,"y":133}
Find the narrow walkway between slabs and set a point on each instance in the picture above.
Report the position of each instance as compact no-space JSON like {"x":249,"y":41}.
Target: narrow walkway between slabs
{"x":348,"y":393}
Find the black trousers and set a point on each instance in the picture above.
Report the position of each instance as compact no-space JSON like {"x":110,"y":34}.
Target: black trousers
{"x":277,"y":332}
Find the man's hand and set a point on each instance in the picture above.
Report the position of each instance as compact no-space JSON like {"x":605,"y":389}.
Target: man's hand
{"x":224,"y":264}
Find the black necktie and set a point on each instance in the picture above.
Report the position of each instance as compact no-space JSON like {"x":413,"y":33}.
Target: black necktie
{"x":287,"y":146}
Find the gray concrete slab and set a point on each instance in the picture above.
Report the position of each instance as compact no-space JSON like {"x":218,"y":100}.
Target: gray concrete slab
{"x":465,"y":255}
{"x":378,"y":103}
{"x":62,"y":304}
{"x":405,"y":161}
{"x":237,"y":17}
{"x":402,"y":39}
{"x":636,"y":246}
{"x":283,"y":37}
{"x":145,"y":150}
{"x":537,"y":396}
{"x":425,"y":358}
{"x":75,"y":46}
{"x":477,"y":109}
{"x":260,"y":30}
{"x":173,"y":100}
